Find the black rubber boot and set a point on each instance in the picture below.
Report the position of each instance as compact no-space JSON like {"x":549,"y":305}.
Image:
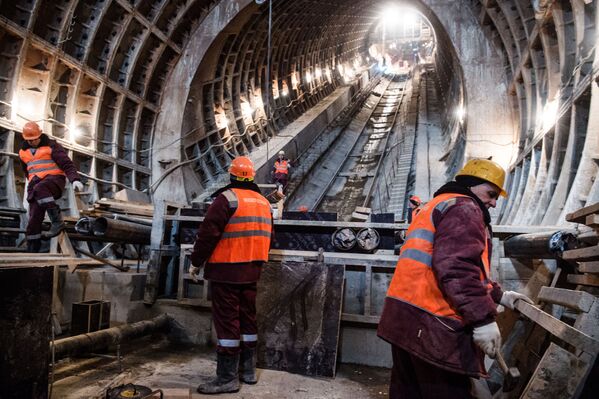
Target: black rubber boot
{"x":57,"y":225}
{"x":247,"y":366}
{"x":227,"y":378}
{"x":34,"y":245}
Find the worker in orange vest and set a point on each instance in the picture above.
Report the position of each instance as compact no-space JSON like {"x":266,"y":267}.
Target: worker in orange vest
{"x":46,"y":166}
{"x":233,"y":242}
{"x":281,"y":171}
{"x":414,"y":203}
{"x":440,"y":310}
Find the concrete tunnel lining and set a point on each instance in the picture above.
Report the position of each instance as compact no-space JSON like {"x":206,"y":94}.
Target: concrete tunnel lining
{"x":190,"y":71}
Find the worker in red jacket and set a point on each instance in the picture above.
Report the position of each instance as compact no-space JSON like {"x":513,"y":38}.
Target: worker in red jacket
{"x":414,"y":204}
{"x":233,"y":242}
{"x":46,"y":166}
{"x":439,"y":313}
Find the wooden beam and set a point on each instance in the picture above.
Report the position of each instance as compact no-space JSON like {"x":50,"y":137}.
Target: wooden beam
{"x":558,"y":328}
{"x":588,"y":253}
{"x":49,"y":262}
{"x":592,"y":221}
{"x":588,"y":267}
{"x":580,"y":215}
{"x":584,"y":279}
{"x":578,"y":300}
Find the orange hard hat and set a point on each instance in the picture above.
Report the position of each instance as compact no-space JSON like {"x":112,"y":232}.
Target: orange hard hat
{"x":414,"y":199}
{"x":242,"y":168}
{"x":31,"y":131}
{"x":303,"y":208}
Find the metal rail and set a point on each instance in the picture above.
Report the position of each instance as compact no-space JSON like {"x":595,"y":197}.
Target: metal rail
{"x":309,"y":157}
{"x":385,"y":149}
{"x":388,"y":125}
{"x":327,"y":187}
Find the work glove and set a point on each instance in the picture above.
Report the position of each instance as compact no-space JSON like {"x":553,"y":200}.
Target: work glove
{"x":77,"y":185}
{"x":488,"y":338}
{"x":194,"y":272}
{"x":509,"y":298}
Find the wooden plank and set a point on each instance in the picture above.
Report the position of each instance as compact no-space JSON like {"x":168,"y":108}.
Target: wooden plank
{"x":558,"y":328}
{"x":584,"y":279}
{"x":559,"y":374}
{"x":38,"y":259}
{"x":580,"y":215}
{"x":578,"y":300}
{"x":592,"y":221}
{"x":52,"y":262}
{"x":588,"y":267}
{"x":588,"y":253}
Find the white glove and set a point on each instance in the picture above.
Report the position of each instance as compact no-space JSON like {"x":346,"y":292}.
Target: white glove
{"x":509,"y":298}
{"x":77,"y":185}
{"x":488,"y":338}
{"x":194,"y":272}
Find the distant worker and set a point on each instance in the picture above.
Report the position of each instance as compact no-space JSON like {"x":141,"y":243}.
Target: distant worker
{"x":281,"y":171}
{"x":414,"y":203}
{"x":440,"y":310}
{"x":233,"y":242}
{"x":46,"y":166}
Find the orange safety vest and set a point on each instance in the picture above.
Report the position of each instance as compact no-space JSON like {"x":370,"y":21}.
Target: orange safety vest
{"x":282,"y":166}
{"x":41,"y":163}
{"x":246,"y":237}
{"x":414,"y":281}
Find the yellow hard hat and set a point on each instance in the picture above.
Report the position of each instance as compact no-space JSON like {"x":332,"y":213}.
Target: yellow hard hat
{"x":487,"y":170}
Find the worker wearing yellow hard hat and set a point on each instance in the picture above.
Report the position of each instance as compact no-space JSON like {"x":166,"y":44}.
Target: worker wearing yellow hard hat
{"x":440,"y":310}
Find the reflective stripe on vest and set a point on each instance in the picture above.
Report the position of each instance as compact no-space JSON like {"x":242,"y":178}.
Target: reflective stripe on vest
{"x":414,"y":281}
{"x":282,"y":166}
{"x":41,"y":163}
{"x":246,"y":237}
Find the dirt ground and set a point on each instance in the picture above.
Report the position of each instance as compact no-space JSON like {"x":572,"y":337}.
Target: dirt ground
{"x":158,"y":364}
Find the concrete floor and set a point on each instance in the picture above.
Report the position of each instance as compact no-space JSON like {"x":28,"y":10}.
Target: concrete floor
{"x":156,"y":363}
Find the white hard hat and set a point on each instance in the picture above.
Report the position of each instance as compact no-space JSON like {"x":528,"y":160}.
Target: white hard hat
{"x":281,"y":152}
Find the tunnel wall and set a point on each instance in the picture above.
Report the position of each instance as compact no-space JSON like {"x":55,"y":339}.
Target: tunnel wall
{"x":488,"y":123}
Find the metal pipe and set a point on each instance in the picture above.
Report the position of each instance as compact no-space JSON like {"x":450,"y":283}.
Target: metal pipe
{"x":111,"y":336}
{"x":127,"y":218}
{"x":122,"y":231}
{"x":549,"y":245}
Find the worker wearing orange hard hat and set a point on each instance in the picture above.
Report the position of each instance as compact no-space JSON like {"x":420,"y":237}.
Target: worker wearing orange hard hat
{"x":414,"y":204}
{"x":46,"y":166}
{"x":233,"y":242}
{"x":280,"y":172}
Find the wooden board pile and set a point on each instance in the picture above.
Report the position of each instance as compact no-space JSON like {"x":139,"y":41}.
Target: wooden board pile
{"x":569,"y":312}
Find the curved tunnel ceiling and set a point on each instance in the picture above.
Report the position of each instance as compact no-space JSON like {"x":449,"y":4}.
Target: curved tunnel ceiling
{"x":109,"y":78}
{"x":314,"y":44}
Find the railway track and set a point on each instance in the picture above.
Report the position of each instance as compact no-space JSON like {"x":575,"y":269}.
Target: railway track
{"x":344,"y":176}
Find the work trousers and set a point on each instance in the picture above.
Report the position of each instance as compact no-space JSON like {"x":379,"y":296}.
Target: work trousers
{"x":41,"y":195}
{"x":282,"y":179}
{"x":234,"y":316}
{"x":413,"y":378}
